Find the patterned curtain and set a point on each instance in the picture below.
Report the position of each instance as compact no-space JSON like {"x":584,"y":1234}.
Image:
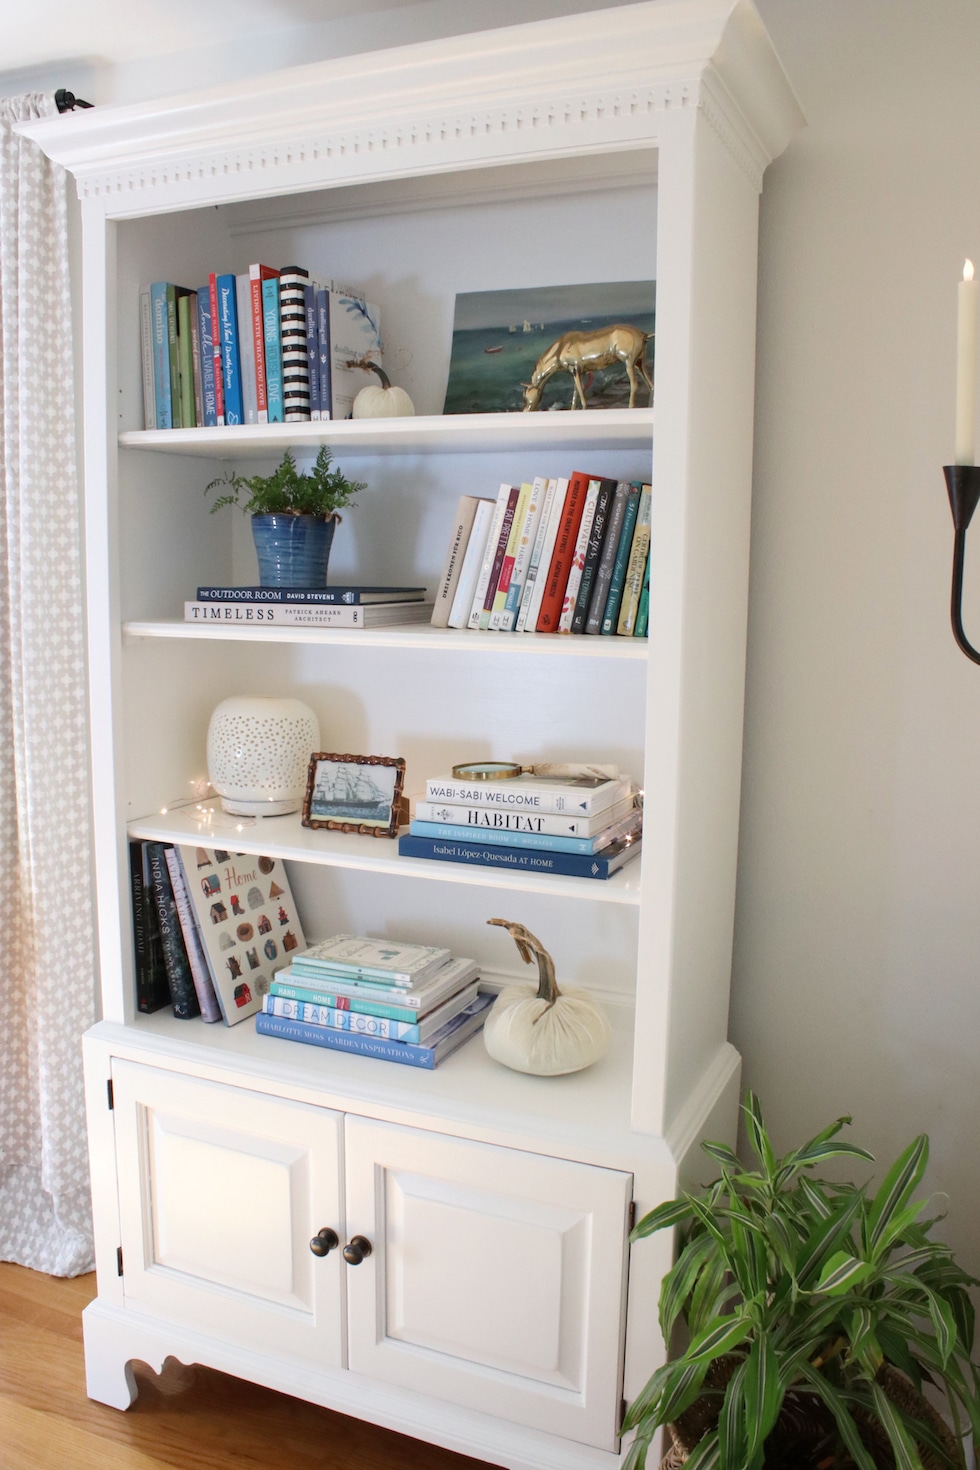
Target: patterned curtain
{"x":47,"y":937}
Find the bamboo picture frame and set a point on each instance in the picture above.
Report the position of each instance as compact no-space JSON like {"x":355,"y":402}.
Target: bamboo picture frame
{"x":354,"y":793}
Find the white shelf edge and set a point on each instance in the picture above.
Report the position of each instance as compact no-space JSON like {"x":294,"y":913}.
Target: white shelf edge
{"x":286,"y":838}
{"x":615,"y":428}
{"x":418,"y":635}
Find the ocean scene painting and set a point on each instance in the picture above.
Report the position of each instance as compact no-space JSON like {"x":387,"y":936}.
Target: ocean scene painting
{"x":498,"y":337}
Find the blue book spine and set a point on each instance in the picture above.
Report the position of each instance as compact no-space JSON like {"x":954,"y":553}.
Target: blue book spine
{"x":358,"y":1023}
{"x":615,"y":594}
{"x":538,"y":840}
{"x":205,"y":337}
{"x":273,"y":349}
{"x":522,"y":860}
{"x":343,"y":1002}
{"x":312,"y":348}
{"x":365,"y":1046}
{"x":161,"y":355}
{"x":228,"y":325}
{"x":323,"y":350}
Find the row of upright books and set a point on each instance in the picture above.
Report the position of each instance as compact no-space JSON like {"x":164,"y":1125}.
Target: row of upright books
{"x":552,"y":555}
{"x":210,"y":929}
{"x":266,"y":346}
{"x":584,"y":825}
{"x":408,"y":1003}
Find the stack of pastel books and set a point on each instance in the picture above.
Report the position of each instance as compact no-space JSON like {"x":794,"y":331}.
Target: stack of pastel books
{"x":409,"y":1003}
{"x":550,"y":556}
{"x":585,"y":826}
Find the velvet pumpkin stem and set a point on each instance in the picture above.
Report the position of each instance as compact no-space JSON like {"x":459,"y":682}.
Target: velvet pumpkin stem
{"x":529,"y":946}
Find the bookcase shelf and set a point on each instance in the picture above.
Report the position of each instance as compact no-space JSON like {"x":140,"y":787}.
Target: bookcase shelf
{"x":615,"y":428}
{"x":620,"y":146}
{"x":421,"y":636}
{"x":205,"y":825}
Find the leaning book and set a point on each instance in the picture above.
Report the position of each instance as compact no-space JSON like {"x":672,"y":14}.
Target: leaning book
{"x":247,"y":921}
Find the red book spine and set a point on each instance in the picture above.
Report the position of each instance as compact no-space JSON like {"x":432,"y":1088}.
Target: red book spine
{"x":219,"y":389}
{"x":256,"y":275}
{"x":561,"y":558}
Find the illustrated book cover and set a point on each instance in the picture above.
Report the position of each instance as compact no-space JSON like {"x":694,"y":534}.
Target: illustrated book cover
{"x":247,"y":920}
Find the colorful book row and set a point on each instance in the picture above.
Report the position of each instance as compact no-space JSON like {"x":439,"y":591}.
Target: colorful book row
{"x":550,"y":556}
{"x":266,"y":346}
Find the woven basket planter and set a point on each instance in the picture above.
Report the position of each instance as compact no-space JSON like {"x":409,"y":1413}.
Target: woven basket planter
{"x":806,"y":1433}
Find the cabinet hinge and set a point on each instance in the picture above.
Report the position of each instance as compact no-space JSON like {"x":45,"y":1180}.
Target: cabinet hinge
{"x":632,"y":1213}
{"x":119,"y":1268}
{"x":108,"y":1090}
{"x":622,"y":1412}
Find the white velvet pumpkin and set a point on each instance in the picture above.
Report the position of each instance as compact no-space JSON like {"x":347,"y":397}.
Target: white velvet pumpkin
{"x":530,"y":1034}
{"x":544,"y":1031}
{"x":381,"y":400}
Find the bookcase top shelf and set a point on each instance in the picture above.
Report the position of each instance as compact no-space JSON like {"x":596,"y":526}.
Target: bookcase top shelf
{"x":615,"y":428}
{"x":287,"y":838}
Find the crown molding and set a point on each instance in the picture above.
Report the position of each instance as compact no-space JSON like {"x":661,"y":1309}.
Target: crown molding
{"x":598,"y":81}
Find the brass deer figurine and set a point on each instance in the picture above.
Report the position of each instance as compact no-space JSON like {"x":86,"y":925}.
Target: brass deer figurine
{"x":582,"y":352}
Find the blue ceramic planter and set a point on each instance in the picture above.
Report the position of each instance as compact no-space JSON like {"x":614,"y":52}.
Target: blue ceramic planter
{"x":293,"y":551}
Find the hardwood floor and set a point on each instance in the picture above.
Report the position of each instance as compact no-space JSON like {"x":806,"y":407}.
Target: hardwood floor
{"x":185,"y":1418}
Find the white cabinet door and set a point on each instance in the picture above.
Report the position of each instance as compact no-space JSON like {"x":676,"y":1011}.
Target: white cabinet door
{"x":496,"y":1278}
{"x":220,"y":1193}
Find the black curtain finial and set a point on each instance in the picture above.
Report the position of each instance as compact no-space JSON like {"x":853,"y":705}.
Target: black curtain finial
{"x":66,"y":101}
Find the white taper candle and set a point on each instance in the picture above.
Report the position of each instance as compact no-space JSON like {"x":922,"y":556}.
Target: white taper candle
{"x":966,"y":366}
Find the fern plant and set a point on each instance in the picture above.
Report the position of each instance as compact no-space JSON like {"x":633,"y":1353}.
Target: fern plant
{"x":796,"y":1288}
{"x":319,"y":492}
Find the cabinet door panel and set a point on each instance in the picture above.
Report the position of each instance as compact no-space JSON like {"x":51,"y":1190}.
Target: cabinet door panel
{"x":495,"y":1280}
{"x":221,"y":1191}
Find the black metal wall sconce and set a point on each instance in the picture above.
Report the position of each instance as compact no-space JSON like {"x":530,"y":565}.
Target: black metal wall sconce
{"x":963,"y":485}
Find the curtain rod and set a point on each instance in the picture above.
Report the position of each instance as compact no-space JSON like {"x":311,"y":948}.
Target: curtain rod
{"x":66,"y":101}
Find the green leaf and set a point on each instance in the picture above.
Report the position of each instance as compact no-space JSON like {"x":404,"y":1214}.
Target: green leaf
{"x":816,"y":1199}
{"x":827,"y":1237}
{"x":903,"y":1176}
{"x":758,"y":1137}
{"x":837,"y":1405}
{"x":841,"y":1273}
{"x":714,"y":1289}
{"x":944,"y":1325}
{"x":722,"y":1153}
{"x":706,"y":1454}
{"x":903,"y":1446}
{"x":864,"y":1345}
{"x":685,"y":1388}
{"x":817,"y":1152}
{"x":673,"y":1212}
{"x":636,"y":1456}
{"x":732,"y":1426}
{"x":719,"y":1337}
{"x":682,"y":1278}
{"x":763,"y":1394}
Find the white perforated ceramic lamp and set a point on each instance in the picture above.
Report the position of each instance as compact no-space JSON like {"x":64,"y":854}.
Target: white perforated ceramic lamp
{"x":259,"y":754}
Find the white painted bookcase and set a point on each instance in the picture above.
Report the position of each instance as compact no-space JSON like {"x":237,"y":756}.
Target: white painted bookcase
{"x":500,"y":1312}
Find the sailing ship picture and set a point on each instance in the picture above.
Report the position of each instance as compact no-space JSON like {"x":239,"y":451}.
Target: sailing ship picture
{"x":354,"y":793}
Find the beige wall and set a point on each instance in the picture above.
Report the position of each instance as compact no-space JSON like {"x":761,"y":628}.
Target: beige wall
{"x":857,"y":967}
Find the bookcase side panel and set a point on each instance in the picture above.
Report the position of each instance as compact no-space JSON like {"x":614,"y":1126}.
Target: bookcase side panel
{"x":707,"y":267}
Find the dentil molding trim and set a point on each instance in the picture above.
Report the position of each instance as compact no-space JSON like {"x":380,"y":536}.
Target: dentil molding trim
{"x":599,"y":81}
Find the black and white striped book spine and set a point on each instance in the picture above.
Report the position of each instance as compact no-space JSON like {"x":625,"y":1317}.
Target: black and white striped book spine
{"x":293,"y":280}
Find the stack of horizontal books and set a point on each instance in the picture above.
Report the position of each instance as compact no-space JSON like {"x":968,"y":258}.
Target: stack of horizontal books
{"x":308,"y":607}
{"x":585,"y":826}
{"x":550,"y":556}
{"x":409,"y":1003}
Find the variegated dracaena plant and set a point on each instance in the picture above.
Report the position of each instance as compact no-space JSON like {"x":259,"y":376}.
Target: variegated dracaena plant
{"x":807,"y":1286}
